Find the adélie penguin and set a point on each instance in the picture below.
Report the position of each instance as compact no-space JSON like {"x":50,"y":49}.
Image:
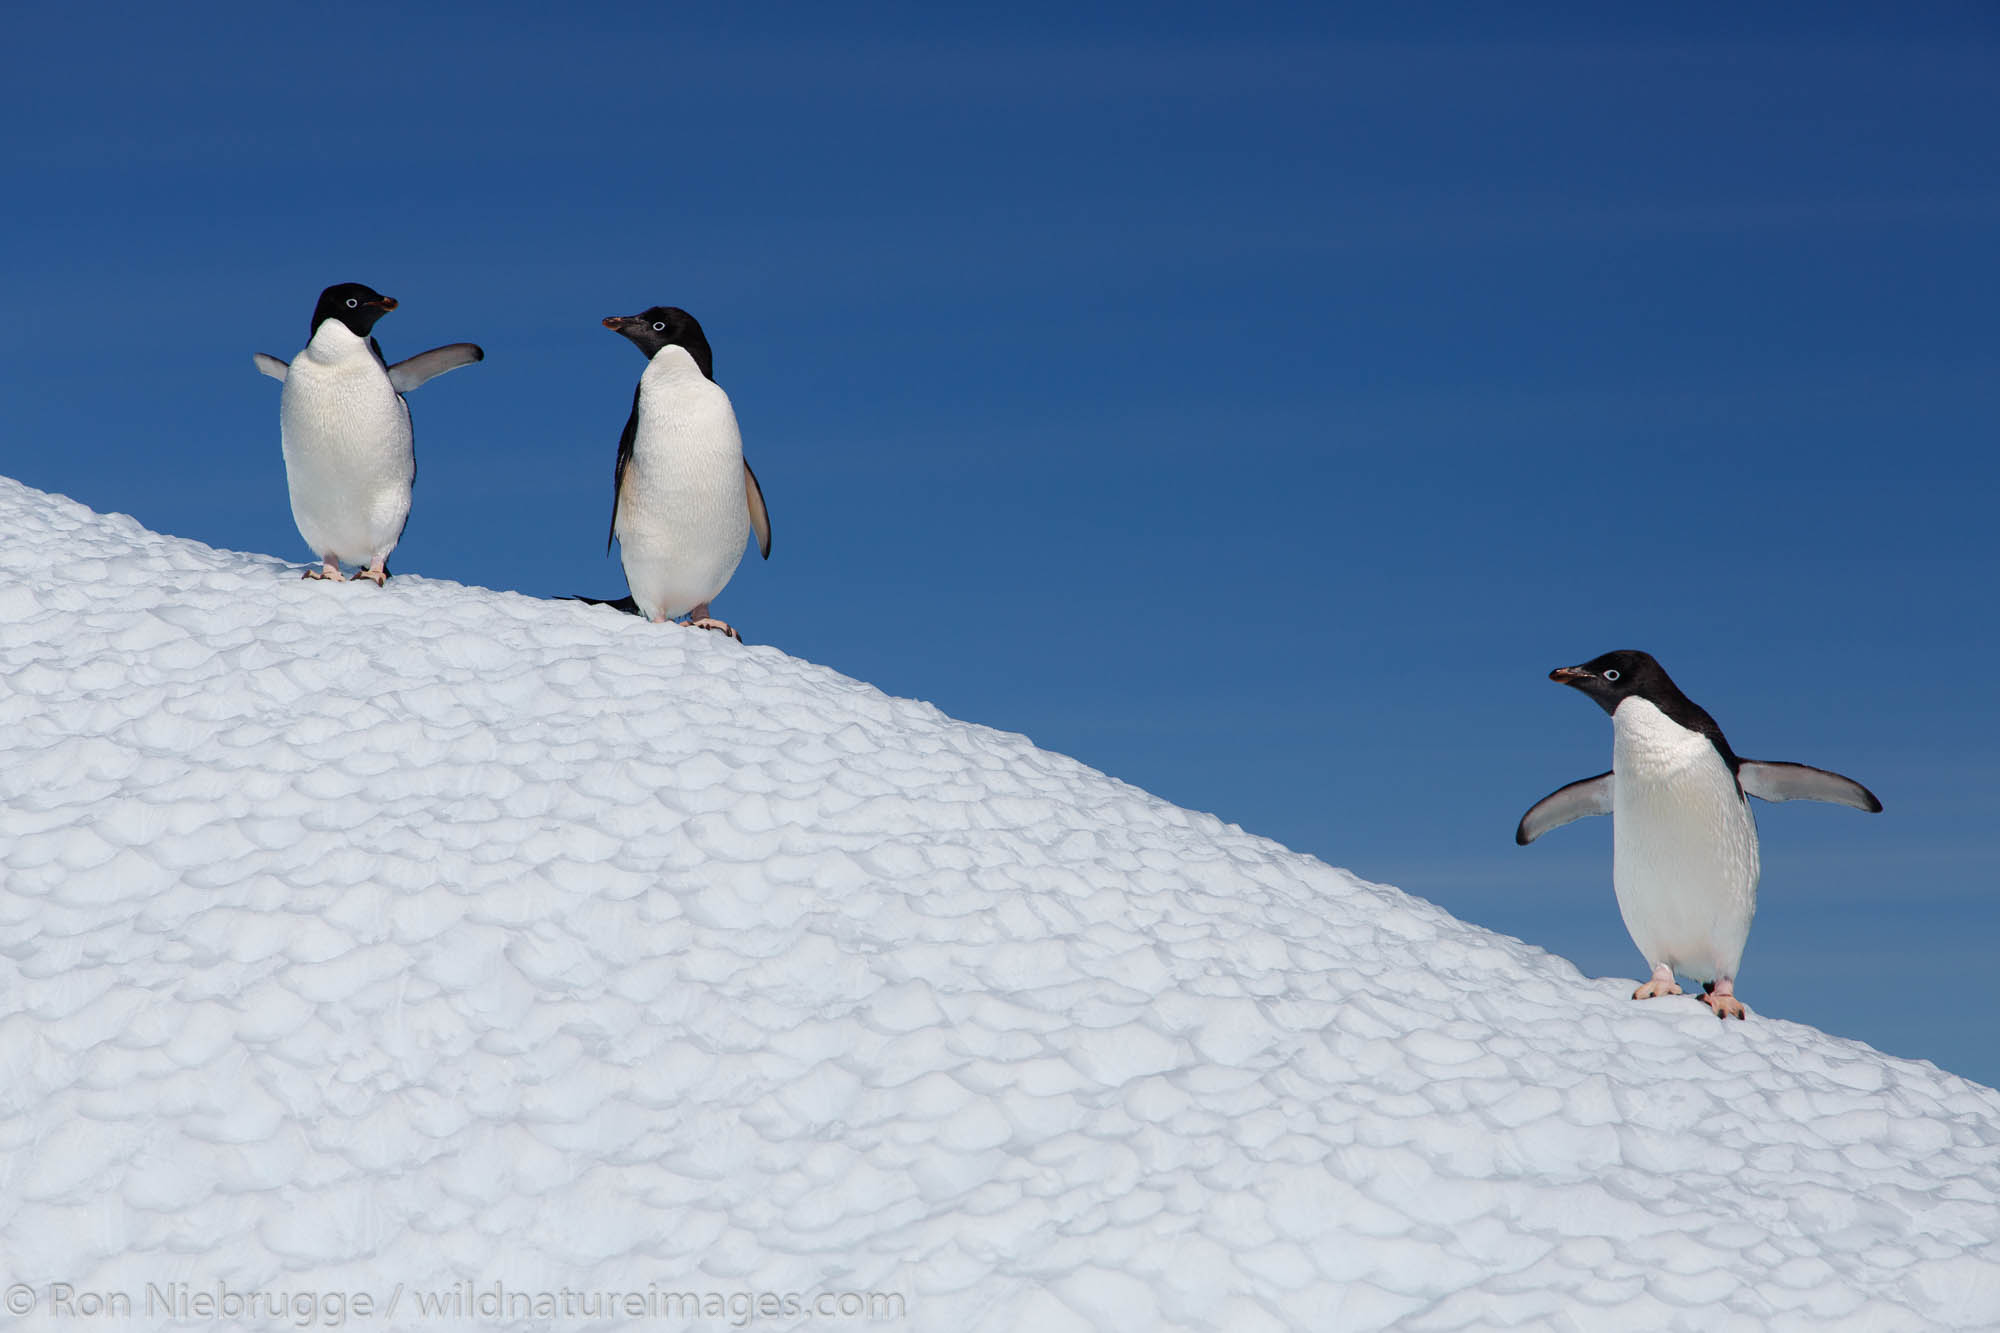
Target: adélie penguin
{"x":350,"y":456}
{"x":684,"y":501}
{"x":1684,"y":842}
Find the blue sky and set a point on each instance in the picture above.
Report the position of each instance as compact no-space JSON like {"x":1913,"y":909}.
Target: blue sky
{"x":1253,"y":403}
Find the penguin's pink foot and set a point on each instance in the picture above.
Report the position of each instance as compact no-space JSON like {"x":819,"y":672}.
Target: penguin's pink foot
{"x":377,"y":574}
{"x":329,"y":569}
{"x":698,"y":619}
{"x":1721,"y":997}
{"x":706,"y":623}
{"x":1661,"y":984}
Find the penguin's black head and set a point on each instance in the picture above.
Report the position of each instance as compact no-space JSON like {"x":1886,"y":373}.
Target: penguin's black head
{"x":354,"y":304}
{"x":1616,"y":677}
{"x":665,"y":326}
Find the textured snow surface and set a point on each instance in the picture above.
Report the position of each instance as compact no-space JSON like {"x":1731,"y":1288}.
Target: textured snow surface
{"x":353,"y":938}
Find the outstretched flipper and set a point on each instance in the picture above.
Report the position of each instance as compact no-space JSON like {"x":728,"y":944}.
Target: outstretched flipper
{"x":412,"y":371}
{"x":270,"y":365}
{"x":760,"y":517}
{"x":1802,"y":782}
{"x":1590,"y":796}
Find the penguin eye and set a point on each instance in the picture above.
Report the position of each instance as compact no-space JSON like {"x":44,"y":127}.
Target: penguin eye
{"x":352,"y":303}
{"x":659,"y":328}
{"x":1611,"y":673}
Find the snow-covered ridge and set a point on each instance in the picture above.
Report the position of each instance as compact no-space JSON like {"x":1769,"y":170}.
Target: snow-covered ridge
{"x":363,"y":942}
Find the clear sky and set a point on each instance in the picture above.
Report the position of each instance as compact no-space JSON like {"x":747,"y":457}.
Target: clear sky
{"x":1252,"y":402}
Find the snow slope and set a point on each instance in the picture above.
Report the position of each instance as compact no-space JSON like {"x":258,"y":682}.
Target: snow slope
{"x":362,"y":943}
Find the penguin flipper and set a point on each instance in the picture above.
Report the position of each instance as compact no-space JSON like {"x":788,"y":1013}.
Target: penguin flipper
{"x":1589,"y":796}
{"x":412,"y":371}
{"x":624,"y":457}
{"x":760,"y":517}
{"x":270,"y":365}
{"x":1801,"y":782}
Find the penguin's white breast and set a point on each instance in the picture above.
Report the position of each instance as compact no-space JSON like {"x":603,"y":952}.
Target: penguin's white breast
{"x":687,"y":457}
{"x":1685,"y":843}
{"x":683,"y":516}
{"x":349,"y":455}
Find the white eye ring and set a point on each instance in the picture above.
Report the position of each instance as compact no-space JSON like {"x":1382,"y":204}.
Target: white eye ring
{"x":659,"y":328}
{"x":351,"y":303}
{"x":1611,"y":674}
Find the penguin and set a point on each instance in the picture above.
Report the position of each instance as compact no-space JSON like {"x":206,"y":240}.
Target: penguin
{"x":1684,"y":842}
{"x":683,"y":500}
{"x":350,"y":457}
